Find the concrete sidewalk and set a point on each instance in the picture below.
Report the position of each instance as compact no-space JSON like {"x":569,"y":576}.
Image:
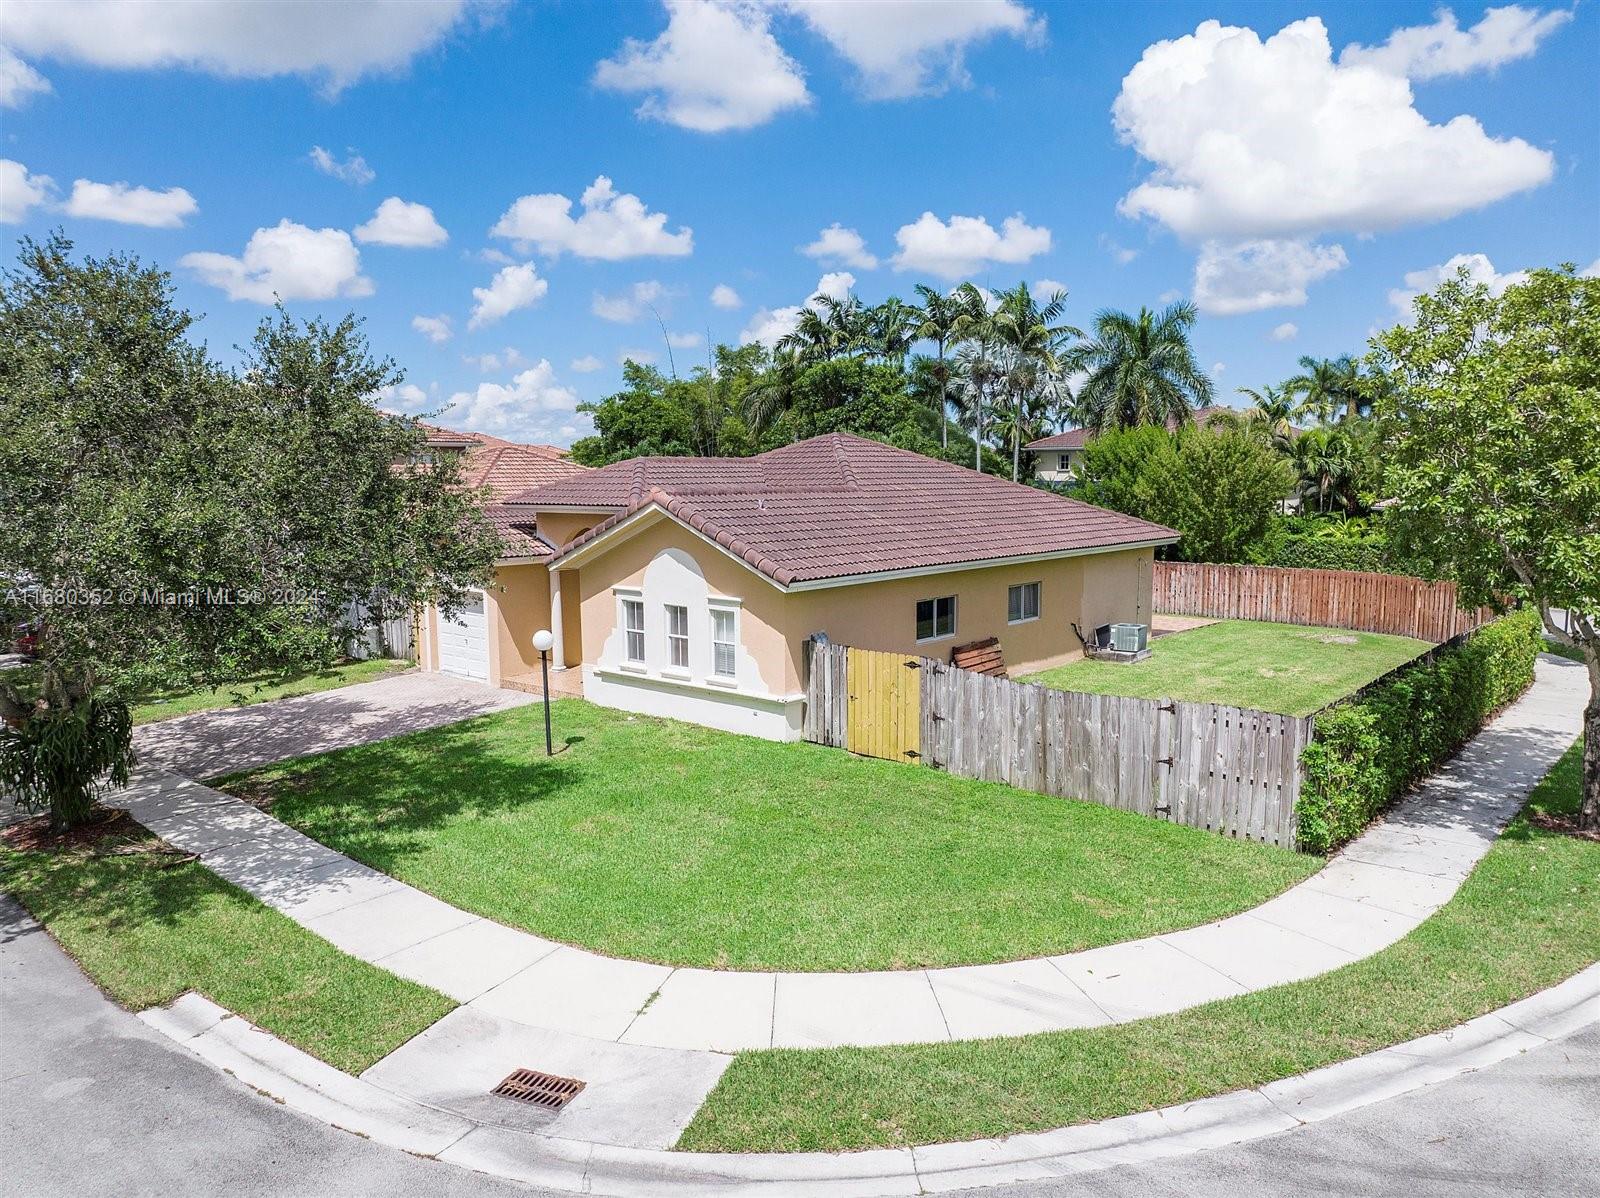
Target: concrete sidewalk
{"x":1372,"y":894}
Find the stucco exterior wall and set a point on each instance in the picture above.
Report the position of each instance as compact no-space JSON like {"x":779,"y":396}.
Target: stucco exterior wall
{"x":519,"y":606}
{"x":1057,"y":465}
{"x":560,"y":527}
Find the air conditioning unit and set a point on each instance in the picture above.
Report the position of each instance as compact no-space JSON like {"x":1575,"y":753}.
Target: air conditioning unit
{"x":1130,"y":638}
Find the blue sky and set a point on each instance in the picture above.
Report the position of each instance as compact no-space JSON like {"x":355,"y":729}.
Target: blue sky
{"x":1285,"y":181}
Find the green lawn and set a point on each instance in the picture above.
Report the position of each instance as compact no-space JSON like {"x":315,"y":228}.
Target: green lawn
{"x":1282,"y":668}
{"x":671,"y":842}
{"x":1524,"y":920}
{"x":147,"y":930}
{"x":263,"y":688}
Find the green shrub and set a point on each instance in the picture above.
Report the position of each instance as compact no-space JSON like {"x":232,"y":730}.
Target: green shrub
{"x":1370,"y":748}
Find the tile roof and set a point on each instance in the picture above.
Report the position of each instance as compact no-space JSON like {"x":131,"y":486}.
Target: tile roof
{"x":505,"y":469}
{"x":519,"y":536}
{"x":838,"y":505}
{"x":1077,"y":438}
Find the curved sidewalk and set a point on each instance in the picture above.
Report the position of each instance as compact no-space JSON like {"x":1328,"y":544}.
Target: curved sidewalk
{"x":1370,"y":895}
{"x":303,"y":1083}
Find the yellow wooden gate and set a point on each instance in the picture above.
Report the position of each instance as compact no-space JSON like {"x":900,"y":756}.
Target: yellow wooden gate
{"x":885,"y":710}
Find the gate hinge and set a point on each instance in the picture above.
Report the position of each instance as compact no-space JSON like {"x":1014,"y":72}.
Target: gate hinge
{"x":1166,"y":761}
{"x":913,"y":665}
{"x":1168,"y":707}
{"x":912,"y":753}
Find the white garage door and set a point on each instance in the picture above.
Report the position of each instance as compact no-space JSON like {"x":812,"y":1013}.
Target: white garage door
{"x":464,"y":642}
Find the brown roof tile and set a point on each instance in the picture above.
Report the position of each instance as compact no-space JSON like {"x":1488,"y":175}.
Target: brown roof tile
{"x":839,"y":505}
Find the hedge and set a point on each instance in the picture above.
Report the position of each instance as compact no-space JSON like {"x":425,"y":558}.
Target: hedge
{"x":1368,"y":749}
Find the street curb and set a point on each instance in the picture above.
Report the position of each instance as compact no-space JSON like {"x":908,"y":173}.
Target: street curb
{"x":262,"y":1061}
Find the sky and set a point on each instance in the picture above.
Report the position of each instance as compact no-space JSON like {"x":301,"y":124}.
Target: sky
{"x":517,"y":196}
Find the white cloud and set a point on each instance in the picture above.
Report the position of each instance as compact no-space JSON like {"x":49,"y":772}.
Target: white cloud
{"x":613,"y":226}
{"x":532,"y":406}
{"x":288,"y":262}
{"x":1218,"y":367}
{"x":1444,"y":48}
{"x":1287,"y":331}
{"x":511,"y":288}
{"x":1248,"y":276}
{"x":643,"y":357}
{"x":129,"y":205}
{"x":20,"y":191}
{"x":723,"y":296}
{"x":18,"y":81}
{"x":966,"y":244}
{"x":770,"y":325}
{"x":495,"y":257}
{"x":901,"y":52}
{"x":838,"y":246}
{"x":685,"y":340}
{"x":715,"y":67}
{"x":335,"y":43}
{"x":1592,"y":271}
{"x":1479,"y":270}
{"x":507,"y":359}
{"x":630,"y":305}
{"x":1255,"y":138}
{"x":353,"y":170}
{"x":587,"y":364}
{"x":400,"y":397}
{"x":397,"y":222}
{"x":1045,"y":288}
{"x":435,"y":328}
{"x":1120,"y":254}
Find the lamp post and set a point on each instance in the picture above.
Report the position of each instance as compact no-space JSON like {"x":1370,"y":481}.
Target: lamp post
{"x":542,"y":640}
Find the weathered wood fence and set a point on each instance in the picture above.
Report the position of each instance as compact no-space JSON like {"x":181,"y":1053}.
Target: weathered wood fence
{"x":1391,"y":603}
{"x":1225,"y":769}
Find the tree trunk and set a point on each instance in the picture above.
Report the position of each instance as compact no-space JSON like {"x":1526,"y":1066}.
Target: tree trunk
{"x":1016,"y":442}
{"x":944,"y":402}
{"x":1589,"y":802}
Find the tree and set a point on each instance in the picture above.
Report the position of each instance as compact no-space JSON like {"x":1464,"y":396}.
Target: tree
{"x":1142,"y":369}
{"x":893,"y":327}
{"x":1275,"y":411}
{"x":647,"y":417}
{"x":1327,"y":387}
{"x":943,"y":317}
{"x":1116,"y":461}
{"x":1491,"y":433}
{"x":1032,"y":344}
{"x":174,"y":524}
{"x":1220,"y":490}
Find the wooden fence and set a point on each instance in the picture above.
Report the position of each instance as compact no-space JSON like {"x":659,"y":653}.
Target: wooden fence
{"x":1225,"y":769}
{"x":1391,"y":603}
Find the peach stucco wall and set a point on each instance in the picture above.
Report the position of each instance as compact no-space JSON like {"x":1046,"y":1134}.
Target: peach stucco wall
{"x":1092,"y":589}
{"x":519,"y":605}
{"x":560,"y":527}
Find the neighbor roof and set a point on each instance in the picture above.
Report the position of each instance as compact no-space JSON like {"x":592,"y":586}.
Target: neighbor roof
{"x":839,"y":506}
{"x":504,"y":468}
{"x":1077,"y":438}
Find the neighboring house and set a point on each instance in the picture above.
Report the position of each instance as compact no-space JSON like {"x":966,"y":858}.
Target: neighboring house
{"x":688,"y":587}
{"x":1059,"y":459}
{"x":502,"y":469}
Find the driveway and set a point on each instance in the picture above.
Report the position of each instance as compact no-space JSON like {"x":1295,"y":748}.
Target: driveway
{"x":99,"y":1103}
{"x":209,"y":744}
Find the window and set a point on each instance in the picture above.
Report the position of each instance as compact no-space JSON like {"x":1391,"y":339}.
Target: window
{"x":723,"y":638}
{"x":633,"y":624}
{"x":1022,"y":603}
{"x":678,"y":636}
{"x":936,"y":618}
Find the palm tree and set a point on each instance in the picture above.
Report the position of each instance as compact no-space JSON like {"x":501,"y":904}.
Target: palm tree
{"x":849,"y":322}
{"x":1275,"y":410}
{"x":812,"y":339}
{"x":1326,"y":460}
{"x":1032,"y":344}
{"x":1326,"y":386}
{"x":1142,"y":369}
{"x":943,"y":318}
{"x":894,"y":328}
{"x":977,"y":369}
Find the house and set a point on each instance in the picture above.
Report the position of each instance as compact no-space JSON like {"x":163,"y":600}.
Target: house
{"x":1060,"y":457}
{"x":688,"y":587}
{"x":500,"y":469}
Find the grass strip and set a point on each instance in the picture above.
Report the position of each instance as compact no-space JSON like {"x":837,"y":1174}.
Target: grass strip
{"x":250,"y":691}
{"x":147,"y":930}
{"x":1283,"y":668}
{"x":1524,"y":920}
{"x":670,"y":842}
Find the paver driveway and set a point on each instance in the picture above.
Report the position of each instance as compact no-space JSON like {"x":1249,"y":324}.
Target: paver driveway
{"x":209,"y":744}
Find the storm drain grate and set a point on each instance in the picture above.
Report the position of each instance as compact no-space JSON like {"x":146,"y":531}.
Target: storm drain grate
{"x":540,"y":1089}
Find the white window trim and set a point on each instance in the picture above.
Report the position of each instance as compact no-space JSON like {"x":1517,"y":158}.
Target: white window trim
{"x":955,"y":619}
{"x":671,"y":669}
{"x":1038,"y":590}
{"x":713,"y":608}
{"x":626,"y":595}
